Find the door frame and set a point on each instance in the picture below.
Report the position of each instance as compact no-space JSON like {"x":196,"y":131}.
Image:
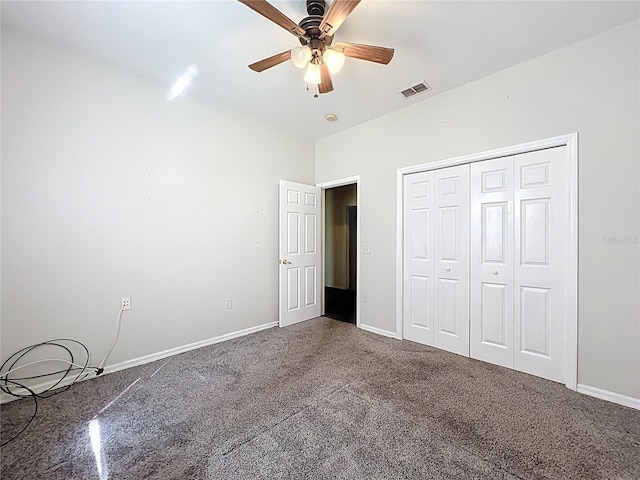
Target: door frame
{"x":570,"y":141}
{"x":347,"y":253}
{"x":355,"y":180}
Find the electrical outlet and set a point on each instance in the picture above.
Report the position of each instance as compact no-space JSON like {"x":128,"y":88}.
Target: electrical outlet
{"x":366,"y":249}
{"x":228,"y":304}
{"x":364,"y":298}
{"x":125,"y":302}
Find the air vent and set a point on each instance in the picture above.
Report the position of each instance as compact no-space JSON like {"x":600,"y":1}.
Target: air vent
{"x":414,"y":90}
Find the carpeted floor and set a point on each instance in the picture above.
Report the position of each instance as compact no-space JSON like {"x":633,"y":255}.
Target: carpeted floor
{"x":321,"y":399}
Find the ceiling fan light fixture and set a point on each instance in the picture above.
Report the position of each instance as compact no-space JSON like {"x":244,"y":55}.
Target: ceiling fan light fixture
{"x":334,"y":59}
{"x":313,"y":74}
{"x":316,"y":33}
{"x":300,"y":56}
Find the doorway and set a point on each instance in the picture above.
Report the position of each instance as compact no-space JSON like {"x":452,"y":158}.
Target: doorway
{"x":341,"y":252}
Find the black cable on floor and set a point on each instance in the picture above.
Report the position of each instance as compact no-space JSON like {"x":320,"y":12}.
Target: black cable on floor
{"x":10,"y":364}
{"x":35,"y":411}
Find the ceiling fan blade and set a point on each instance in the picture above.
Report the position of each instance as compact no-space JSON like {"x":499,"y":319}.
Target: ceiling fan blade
{"x":326,"y":85}
{"x":338,"y":13}
{"x":270,"y":12}
{"x":272,"y":61}
{"x":370,"y":53}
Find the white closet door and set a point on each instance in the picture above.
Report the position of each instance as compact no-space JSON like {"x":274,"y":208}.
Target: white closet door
{"x":451,"y":300}
{"x":418,"y":257}
{"x":492,"y":261}
{"x":484,"y":260}
{"x":541,"y":245}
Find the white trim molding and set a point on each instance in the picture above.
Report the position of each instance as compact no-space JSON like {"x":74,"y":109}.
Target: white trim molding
{"x":339,"y":183}
{"x":4,"y":398}
{"x":571,"y":267}
{"x":185,"y":348}
{"x":378,"y":331}
{"x":355,"y":180}
{"x":609,"y":396}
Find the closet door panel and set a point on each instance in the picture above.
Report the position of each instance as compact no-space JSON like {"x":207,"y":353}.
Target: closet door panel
{"x":451,"y":315}
{"x":448,"y":315}
{"x":541,"y":244}
{"x":418,"y":262}
{"x":494,"y":318}
{"x":421,"y":311}
{"x":491,"y":309}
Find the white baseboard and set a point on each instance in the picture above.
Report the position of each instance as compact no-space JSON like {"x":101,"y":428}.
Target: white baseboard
{"x":610,"y":396}
{"x":379,"y":331}
{"x":4,"y":398}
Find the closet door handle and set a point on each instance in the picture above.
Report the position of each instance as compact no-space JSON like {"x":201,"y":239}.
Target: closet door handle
{"x":495,"y":272}
{"x":448,"y":269}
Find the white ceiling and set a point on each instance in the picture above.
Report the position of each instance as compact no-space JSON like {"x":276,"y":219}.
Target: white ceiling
{"x":446,"y":43}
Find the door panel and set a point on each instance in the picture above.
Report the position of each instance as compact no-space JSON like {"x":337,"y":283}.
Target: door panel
{"x":310,"y":275}
{"x":418,"y":262}
{"x":492,"y":261}
{"x":447,"y":320}
{"x":494,"y":227}
{"x":293,"y":240}
{"x":534,"y":231}
{"x":494,"y":315}
{"x":448,"y":182}
{"x":534,"y":320}
{"x":299,"y":253}
{"x":541,"y":244}
{"x":310,"y":227}
{"x":421,"y":295}
{"x":451,"y":313}
{"x":293,"y":286}
{"x":420,"y":223}
{"x":449,"y":232}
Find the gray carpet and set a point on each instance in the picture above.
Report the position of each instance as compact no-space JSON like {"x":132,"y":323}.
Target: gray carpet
{"x":321,"y":399}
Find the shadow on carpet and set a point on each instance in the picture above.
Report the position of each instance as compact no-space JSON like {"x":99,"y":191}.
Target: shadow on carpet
{"x":318,"y":442}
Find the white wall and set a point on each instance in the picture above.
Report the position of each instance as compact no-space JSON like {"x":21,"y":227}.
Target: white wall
{"x":590,"y":88}
{"x":110,"y":191}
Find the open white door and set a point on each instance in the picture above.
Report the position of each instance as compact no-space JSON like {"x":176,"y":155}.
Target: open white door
{"x":299,"y":252}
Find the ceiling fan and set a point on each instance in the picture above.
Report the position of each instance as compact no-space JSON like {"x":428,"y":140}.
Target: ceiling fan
{"x":315,"y":33}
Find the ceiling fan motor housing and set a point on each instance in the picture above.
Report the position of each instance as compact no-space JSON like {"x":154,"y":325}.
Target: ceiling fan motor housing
{"x":311,"y":25}
{"x":315,"y":7}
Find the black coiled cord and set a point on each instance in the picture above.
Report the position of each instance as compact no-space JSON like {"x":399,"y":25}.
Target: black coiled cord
{"x":8,"y":385}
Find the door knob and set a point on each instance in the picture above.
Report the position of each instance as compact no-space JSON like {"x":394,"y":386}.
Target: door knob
{"x":495,"y":272}
{"x":448,"y":269}
{"x":286,"y":262}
